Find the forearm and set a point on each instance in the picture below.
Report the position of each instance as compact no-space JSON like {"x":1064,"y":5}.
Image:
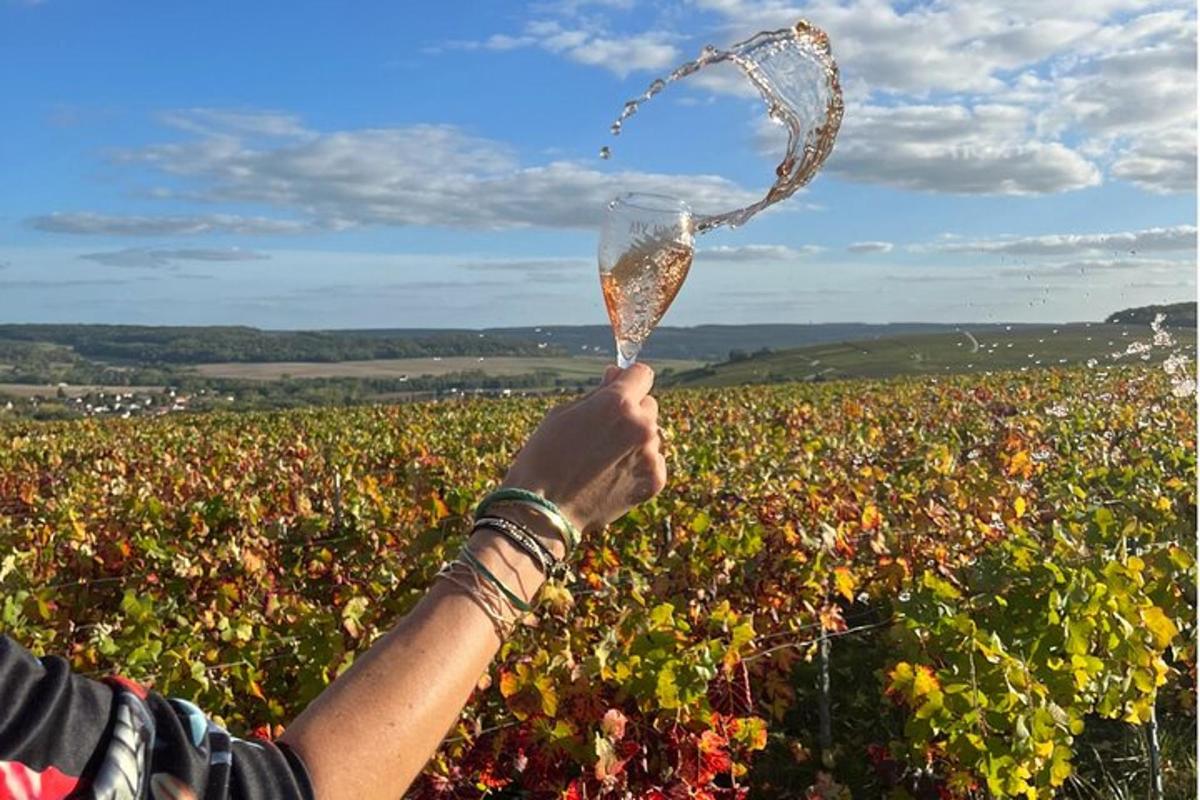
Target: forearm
{"x":372,"y":731}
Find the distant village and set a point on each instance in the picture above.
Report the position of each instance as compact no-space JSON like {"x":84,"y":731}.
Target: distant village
{"x":66,"y":401}
{"x":138,"y":402}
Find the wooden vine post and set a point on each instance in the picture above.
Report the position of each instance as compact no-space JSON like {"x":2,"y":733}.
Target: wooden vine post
{"x":1156,"y":779}
{"x":825,"y":731}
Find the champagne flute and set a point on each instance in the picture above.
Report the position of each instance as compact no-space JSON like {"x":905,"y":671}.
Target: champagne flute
{"x":646,"y":247}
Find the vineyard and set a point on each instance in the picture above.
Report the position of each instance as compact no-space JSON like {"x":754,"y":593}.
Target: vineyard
{"x":915,"y":588}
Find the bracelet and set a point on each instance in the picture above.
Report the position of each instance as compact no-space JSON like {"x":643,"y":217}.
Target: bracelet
{"x":568,"y":532}
{"x":478,"y":566}
{"x":483,"y":595}
{"x":523,"y":538}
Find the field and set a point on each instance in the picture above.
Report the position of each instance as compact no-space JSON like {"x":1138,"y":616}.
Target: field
{"x":43,"y":390}
{"x":994,"y":349}
{"x":992,"y":572}
{"x":580,"y":369}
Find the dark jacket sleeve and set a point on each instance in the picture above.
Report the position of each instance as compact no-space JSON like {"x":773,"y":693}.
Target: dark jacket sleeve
{"x":61,"y":734}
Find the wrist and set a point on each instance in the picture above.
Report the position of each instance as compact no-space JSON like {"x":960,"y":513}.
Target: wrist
{"x":565,"y":509}
{"x":508,"y":562}
{"x":537,"y":524}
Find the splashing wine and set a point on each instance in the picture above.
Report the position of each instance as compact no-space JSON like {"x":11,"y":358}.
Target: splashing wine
{"x":794,"y":71}
{"x":646,"y":245}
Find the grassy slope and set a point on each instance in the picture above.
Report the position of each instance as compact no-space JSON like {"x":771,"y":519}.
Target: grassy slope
{"x":938,"y":354}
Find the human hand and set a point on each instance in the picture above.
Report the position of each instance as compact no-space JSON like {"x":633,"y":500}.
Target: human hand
{"x":597,"y":457}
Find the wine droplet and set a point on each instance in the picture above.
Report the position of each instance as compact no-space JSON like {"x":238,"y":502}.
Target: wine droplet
{"x":605,"y":153}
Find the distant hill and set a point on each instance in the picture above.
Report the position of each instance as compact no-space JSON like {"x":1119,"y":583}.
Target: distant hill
{"x":145,"y":345}
{"x":717,"y":342}
{"x":1179,"y":315}
{"x":171,"y":346}
{"x":994,"y":349}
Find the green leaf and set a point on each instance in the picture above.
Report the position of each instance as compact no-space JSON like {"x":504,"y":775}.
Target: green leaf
{"x":942,"y":590}
{"x":666,"y":690}
{"x":662,"y":615}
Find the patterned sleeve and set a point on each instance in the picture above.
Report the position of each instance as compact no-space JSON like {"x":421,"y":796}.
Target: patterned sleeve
{"x":64,"y":735}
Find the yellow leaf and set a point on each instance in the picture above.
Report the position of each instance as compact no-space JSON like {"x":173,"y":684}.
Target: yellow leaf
{"x":557,"y":597}
{"x":912,"y":682}
{"x":1019,"y":506}
{"x":845,"y":581}
{"x":438,"y":506}
{"x":1159,"y":625}
{"x":924,"y":681}
{"x":508,"y":684}
{"x":871,"y":517}
{"x":1020,"y":464}
{"x":1060,"y":767}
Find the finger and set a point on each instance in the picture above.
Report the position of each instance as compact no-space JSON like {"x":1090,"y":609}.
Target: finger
{"x":635,"y":382}
{"x":660,"y":474}
{"x":649,"y":407}
{"x":610,"y":372}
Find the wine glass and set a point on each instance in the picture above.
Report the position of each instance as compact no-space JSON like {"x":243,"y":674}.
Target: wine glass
{"x":646,"y":247}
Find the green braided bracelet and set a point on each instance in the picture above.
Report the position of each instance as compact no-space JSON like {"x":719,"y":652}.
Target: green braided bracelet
{"x":478,"y":566}
{"x":570,"y":535}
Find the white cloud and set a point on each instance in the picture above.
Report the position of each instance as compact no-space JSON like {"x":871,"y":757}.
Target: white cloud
{"x":145,"y":257}
{"x":1134,"y":90}
{"x":619,"y":54}
{"x":964,"y":46}
{"x":1181,"y":268}
{"x":1137,"y":108}
{"x":135,"y":225}
{"x":213,"y":121}
{"x":427,"y":175}
{"x":985,"y":149}
{"x":527,"y":264}
{"x":756,"y":252}
{"x":1161,"y":164}
{"x":870,"y":247}
{"x":1107,"y":85}
{"x":572,"y":7}
{"x":1180,"y":238}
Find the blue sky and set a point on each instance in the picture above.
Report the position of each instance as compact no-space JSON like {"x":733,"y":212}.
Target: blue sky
{"x":309,"y":165}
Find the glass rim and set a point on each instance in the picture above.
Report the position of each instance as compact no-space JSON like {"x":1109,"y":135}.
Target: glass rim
{"x":650,"y":201}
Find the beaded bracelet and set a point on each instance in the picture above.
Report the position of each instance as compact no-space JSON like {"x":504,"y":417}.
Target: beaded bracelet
{"x":568,"y":532}
{"x":478,"y":566}
{"x":524,"y":539}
